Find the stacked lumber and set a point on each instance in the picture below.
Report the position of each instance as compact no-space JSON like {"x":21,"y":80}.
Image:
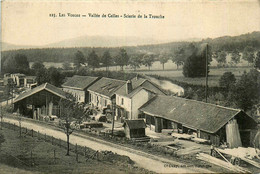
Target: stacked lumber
{"x":221,"y":163}
{"x":233,"y":135}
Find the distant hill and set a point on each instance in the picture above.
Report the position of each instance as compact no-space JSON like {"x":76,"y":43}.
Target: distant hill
{"x":61,"y":54}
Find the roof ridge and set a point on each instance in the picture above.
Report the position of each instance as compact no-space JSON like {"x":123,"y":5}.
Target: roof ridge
{"x":192,"y":100}
{"x":113,"y":79}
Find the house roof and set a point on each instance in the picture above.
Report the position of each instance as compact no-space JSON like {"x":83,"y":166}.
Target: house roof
{"x":190,"y":113}
{"x":79,"y":82}
{"x":45,"y":86}
{"x":136,"y":86}
{"x":106,"y":86}
{"x":135,"y":124}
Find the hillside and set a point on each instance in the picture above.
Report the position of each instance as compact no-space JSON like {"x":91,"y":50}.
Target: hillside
{"x":226,"y":43}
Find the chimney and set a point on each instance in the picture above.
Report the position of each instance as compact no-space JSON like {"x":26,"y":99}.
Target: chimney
{"x":129,"y":87}
{"x":136,"y":77}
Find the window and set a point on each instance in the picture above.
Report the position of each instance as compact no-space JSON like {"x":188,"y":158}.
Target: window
{"x":122,"y":101}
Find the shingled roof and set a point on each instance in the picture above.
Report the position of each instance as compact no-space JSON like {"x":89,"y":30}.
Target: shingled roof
{"x":190,"y":113}
{"x":106,"y":86}
{"x":137,"y":84}
{"x":79,"y":82}
{"x":45,"y":86}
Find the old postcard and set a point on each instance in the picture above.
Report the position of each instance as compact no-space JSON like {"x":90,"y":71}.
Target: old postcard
{"x":163,"y":86}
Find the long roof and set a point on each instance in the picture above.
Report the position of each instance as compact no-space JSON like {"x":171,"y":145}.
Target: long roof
{"x":136,"y":86}
{"x":45,"y":86}
{"x":79,"y":82}
{"x":190,"y":113}
{"x":106,"y":86}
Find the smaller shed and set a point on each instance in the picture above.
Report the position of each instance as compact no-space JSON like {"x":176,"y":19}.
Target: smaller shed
{"x":134,"y":128}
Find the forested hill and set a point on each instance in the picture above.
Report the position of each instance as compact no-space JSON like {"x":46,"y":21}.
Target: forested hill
{"x":226,"y":43}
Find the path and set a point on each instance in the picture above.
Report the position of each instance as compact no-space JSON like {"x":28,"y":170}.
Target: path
{"x":145,"y":160}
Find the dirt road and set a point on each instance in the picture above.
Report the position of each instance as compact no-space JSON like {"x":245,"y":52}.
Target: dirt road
{"x":145,"y":160}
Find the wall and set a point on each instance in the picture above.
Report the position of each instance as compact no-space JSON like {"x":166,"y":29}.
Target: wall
{"x":138,"y":100}
{"x":78,"y":94}
{"x":98,"y":100}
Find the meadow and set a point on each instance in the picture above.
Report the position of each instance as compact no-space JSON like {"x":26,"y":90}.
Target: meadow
{"x":213,"y":78}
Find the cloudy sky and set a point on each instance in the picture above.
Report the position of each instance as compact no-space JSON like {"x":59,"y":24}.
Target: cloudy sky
{"x":29,"y":23}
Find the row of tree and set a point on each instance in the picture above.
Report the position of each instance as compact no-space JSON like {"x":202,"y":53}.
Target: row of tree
{"x":248,"y":55}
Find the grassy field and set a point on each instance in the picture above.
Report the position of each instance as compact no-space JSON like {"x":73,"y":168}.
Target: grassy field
{"x":213,"y":80}
{"x":28,"y":154}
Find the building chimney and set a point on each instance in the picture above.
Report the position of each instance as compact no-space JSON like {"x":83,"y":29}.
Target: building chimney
{"x":129,"y":87}
{"x":136,"y":77}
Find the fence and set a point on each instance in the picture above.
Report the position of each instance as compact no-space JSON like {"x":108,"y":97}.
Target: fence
{"x":88,"y":153}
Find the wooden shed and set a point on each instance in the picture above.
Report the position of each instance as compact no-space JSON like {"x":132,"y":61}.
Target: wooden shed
{"x":134,"y":128}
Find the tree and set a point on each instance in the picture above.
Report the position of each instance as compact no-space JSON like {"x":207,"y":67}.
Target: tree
{"x":16,"y":64}
{"x":195,"y":65}
{"x":135,"y":61}
{"x":36,"y":66}
{"x":70,"y":112}
{"x":246,"y":92}
{"x":66,"y":65}
{"x":148,"y":60}
{"x":257,"y":60}
{"x":41,"y":76}
{"x":227,"y":80}
{"x":106,"y":59}
{"x":79,"y":59}
{"x":248,"y":54}
{"x":235,"y":56}
{"x":93,"y":60}
{"x":222,"y":58}
{"x":179,"y":57}
{"x":122,"y":58}
{"x":163,"y":59}
{"x":54,"y":76}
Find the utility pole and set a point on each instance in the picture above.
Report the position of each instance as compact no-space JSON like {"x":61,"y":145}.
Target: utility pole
{"x":113,"y":114}
{"x":206,"y":87}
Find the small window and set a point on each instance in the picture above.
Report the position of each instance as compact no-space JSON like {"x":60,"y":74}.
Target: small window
{"x":122,"y":101}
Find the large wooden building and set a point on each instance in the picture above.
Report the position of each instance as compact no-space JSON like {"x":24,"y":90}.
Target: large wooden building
{"x":40,"y":101}
{"x":211,"y":122}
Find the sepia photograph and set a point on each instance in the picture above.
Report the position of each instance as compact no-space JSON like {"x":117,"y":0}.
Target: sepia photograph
{"x":99,"y":86}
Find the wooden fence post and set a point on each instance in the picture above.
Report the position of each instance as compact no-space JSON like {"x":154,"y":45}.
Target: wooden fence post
{"x":54,"y":153}
{"x":31,"y":159}
{"x":77,"y":158}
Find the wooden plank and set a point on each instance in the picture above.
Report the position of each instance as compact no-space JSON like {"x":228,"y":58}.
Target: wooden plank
{"x":221,"y":163}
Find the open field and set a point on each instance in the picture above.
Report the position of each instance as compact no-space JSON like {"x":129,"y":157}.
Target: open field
{"x":213,"y":80}
{"x":28,"y":154}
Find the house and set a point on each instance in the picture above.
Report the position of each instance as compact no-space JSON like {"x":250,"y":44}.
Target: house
{"x":18,"y":79}
{"x":134,"y":128}
{"x":30,"y":81}
{"x":132,"y":95}
{"x":211,"y":122}
{"x":40,"y":101}
{"x":78,"y":87}
{"x":103,"y":91}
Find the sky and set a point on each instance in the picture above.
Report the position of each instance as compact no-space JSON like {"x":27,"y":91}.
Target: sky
{"x":29,"y":22}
